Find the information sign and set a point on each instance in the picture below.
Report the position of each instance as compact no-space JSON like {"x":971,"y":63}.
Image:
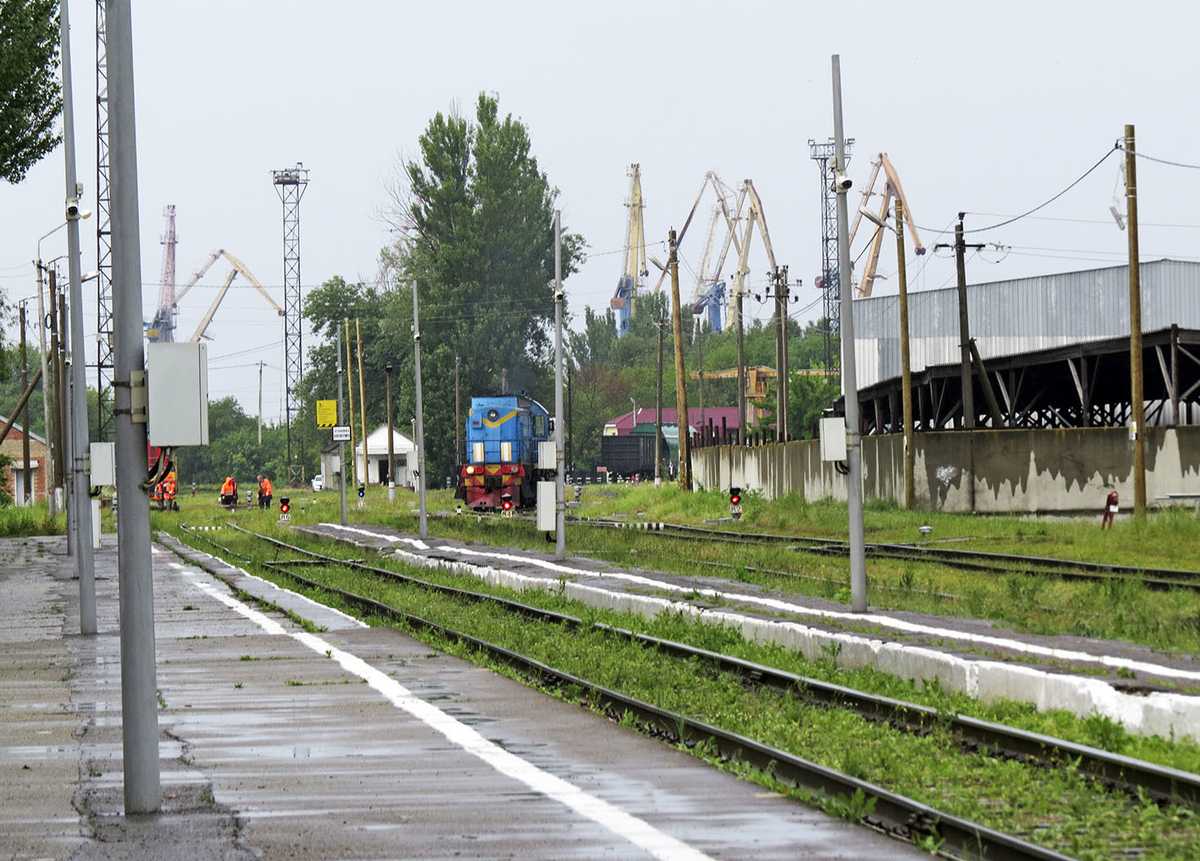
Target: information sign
{"x":326,"y":414}
{"x":341,"y":433}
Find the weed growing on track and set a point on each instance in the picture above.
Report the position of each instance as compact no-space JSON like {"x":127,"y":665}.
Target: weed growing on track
{"x":1055,"y":807}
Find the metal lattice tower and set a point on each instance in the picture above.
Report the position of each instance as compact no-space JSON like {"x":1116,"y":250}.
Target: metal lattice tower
{"x":823,"y":154}
{"x":104,"y":297}
{"x":290,"y":183}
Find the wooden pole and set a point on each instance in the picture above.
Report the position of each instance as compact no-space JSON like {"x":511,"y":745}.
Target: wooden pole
{"x":362,"y":404}
{"x":1137,"y":401}
{"x":350,"y":411}
{"x":910,"y":498}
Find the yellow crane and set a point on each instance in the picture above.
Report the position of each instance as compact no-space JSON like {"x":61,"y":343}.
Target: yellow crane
{"x":757,"y":376}
{"x":891,"y":190}
{"x":633,"y":266}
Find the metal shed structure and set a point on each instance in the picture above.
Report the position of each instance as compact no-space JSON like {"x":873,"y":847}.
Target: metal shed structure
{"x":1055,"y":349}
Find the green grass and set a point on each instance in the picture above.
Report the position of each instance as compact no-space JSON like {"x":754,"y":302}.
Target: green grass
{"x":1055,"y":807}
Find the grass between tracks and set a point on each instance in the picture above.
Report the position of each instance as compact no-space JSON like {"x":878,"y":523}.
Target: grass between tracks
{"x":1055,"y":807}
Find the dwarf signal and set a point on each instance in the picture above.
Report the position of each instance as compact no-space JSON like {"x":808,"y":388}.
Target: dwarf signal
{"x":506,"y":505}
{"x":735,"y":503}
{"x":285,"y":510}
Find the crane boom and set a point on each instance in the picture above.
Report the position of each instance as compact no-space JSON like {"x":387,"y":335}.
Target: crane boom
{"x":891,"y":189}
{"x":212,"y":309}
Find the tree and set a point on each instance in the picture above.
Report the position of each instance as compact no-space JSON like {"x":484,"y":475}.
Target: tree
{"x":30,"y":92}
{"x":480,"y":255}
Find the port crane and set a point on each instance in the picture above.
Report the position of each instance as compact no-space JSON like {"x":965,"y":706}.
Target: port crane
{"x":162,"y":327}
{"x":892,"y":189}
{"x":633,"y":266}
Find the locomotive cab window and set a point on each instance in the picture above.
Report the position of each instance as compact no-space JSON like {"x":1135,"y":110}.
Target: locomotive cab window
{"x":539,"y":425}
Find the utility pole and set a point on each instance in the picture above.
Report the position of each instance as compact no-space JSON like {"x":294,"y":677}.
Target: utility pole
{"x":910,"y":500}
{"x":341,"y":418}
{"x":80,"y":483}
{"x":560,"y":484}
{"x":964,"y":329}
{"x":362,"y":405}
{"x":854,"y":491}
{"x":660,"y":325}
{"x":681,"y":407}
{"x":1137,"y":402}
{"x":419,"y":476}
{"x":782,"y":377}
{"x":139,"y":701}
{"x":55,"y":434}
{"x":741,"y":360}
{"x":391,"y":450}
{"x":350,"y":371}
{"x":28,"y":483}
{"x":48,"y":466}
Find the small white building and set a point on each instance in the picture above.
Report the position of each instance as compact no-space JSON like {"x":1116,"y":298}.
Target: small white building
{"x":403,"y":455}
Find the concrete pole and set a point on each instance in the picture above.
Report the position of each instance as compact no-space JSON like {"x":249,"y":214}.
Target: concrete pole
{"x":910,"y":498}
{"x":28,"y":482}
{"x":260,"y":370}
{"x":362,"y":405}
{"x":681,"y":404}
{"x":854,"y":492}
{"x":420,"y":419}
{"x":560,"y":484}
{"x":342,"y":444}
{"x":139,"y":702}
{"x":350,"y":394}
{"x":48,"y":466}
{"x":391,"y":449}
{"x":1137,"y":400}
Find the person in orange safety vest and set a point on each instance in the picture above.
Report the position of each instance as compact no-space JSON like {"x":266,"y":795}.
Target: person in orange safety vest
{"x":229,"y":492}
{"x":168,"y":489}
{"x":156,"y":494}
{"x":265,"y":492}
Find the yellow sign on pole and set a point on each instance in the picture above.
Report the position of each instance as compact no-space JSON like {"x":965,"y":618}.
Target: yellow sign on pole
{"x":326,"y":414}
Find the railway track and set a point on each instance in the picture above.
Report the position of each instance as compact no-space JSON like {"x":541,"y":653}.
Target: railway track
{"x":1157,"y":579}
{"x":893,"y":813}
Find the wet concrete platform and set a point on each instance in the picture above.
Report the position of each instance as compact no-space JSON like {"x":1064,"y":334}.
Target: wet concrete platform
{"x":354,"y":742}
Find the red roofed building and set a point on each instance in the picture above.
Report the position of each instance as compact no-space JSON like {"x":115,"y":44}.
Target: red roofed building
{"x":623,"y":424}
{"x":16,"y":478}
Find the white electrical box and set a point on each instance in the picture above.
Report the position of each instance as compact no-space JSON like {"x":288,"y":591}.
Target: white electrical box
{"x":104,"y":464}
{"x":177,"y":393}
{"x":547,"y":455}
{"x":833,"y":438}
{"x":547,"y":519}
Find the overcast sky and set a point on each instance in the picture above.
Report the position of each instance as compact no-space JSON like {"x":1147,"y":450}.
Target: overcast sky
{"x":991,"y":108}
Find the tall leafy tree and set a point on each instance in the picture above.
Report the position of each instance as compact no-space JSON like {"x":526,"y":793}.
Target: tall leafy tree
{"x":30,"y":92}
{"x":480,"y":255}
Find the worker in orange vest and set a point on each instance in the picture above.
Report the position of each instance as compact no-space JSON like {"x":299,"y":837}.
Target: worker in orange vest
{"x":229,"y":492}
{"x":265,"y":492}
{"x":156,"y":494}
{"x":168,"y":490}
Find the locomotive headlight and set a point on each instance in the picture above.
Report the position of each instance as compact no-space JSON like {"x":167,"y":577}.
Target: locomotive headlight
{"x":470,"y":470}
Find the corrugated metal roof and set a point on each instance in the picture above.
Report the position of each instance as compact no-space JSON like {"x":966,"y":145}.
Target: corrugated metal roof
{"x":1024,"y":314}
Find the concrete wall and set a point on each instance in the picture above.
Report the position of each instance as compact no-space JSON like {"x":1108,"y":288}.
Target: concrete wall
{"x":1014,"y":470}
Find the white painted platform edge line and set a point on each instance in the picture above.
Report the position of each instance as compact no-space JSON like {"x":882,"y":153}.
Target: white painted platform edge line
{"x":637,"y":831}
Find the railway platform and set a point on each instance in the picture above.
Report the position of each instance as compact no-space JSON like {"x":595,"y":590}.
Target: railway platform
{"x":288,"y":730}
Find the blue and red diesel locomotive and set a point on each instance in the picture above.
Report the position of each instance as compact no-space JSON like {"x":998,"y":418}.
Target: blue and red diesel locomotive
{"x":502,"y":438}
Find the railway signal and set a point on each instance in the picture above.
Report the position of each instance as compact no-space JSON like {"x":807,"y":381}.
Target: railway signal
{"x":506,"y":505}
{"x":735,"y":503}
{"x":285,"y":509}
{"x":362,"y":494}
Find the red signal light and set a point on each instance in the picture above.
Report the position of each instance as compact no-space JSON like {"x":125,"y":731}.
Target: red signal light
{"x":507,"y":504}
{"x":284,"y":505}
{"x":735,"y":496}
